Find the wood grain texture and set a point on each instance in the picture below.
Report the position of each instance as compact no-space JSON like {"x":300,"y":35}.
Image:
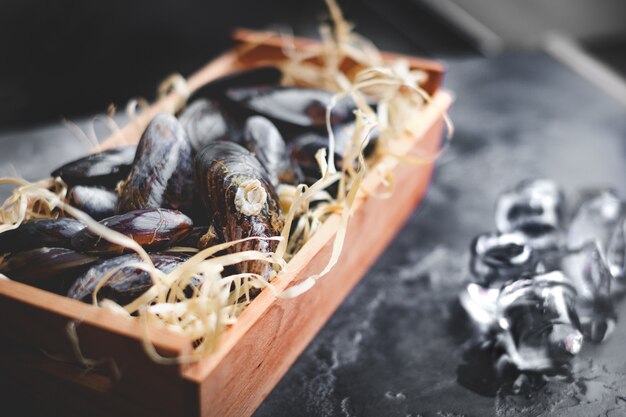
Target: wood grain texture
{"x":253,"y":354}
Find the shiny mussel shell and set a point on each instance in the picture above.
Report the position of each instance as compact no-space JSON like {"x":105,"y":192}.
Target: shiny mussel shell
{"x":104,"y":168}
{"x":98,"y":202}
{"x":204,"y":121}
{"x":127,"y":283}
{"x":292,"y":107}
{"x":40,"y":233}
{"x":54,"y":269}
{"x":154,"y":229}
{"x":264,"y":140}
{"x":236,"y":190}
{"x":162,"y":174}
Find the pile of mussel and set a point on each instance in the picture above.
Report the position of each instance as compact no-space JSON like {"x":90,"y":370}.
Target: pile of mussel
{"x":544,"y":283}
{"x":206,"y":176}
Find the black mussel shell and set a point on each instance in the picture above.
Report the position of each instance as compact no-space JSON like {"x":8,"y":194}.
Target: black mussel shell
{"x":264,"y":140}
{"x":200,"y":237}
{"x":236,"y":190}
{"x":127,"y":283}
{"x":40,"y":233}
{"x":153,"y":229}
{"x":98,"y":202}
{"x":292,"y":107}
{"x":53,"y":269}
{"x":305,"y":146}
{"x":104,"y":168}
{"x":204,"y":121}
{"x":162,"y":174}
{"x":252,"y":77}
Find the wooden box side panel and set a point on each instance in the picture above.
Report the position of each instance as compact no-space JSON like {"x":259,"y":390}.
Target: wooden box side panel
{"x":37,"y":356}
{"x":262,"y":355}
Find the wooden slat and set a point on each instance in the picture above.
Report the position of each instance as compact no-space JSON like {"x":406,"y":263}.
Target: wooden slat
{"x":36,"y":318}
{"x":270,"y":48}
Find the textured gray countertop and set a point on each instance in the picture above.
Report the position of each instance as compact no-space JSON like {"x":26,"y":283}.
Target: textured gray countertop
{"x":393,"y":347}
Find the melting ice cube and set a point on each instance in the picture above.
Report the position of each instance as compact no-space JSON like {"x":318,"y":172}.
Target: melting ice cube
{"x":497,"y":258}
{"x":480,"y":304}
{"x":533,"y":208}
{"x":538,"y":323}
{"x":589,"y":274}
{"x":616,"y":255}
{"x":595,"y":221}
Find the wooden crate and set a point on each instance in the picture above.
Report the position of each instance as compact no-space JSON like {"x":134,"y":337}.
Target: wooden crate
{"x":253,"y":354}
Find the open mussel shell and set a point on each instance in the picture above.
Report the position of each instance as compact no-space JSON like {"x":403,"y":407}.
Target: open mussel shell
{"x":126,"y":283}
{"x":104,"y":168}
{"x":98,"y":202}
{"x":264,"y":140}
{"x":162,"y":173}
{"x":40,"y":233}
{"x":153,"y":229}
{"x":205,"y":121}
{"x":54,"y":269}
{"x":292,"y":108}
{"x":266,"y":76}
{"x":238,"y":194}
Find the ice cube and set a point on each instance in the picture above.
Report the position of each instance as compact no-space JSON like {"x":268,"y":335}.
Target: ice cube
{"x":533,"y":208}
{"x":538,"y":326}
{"x":480,"y":304}
{"x":589,"y":274}
{"x":595,"y":221}
{"x":616,"y":255}
{"x":499,"y":257}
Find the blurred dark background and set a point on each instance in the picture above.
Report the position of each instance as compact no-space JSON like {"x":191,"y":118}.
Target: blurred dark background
{"x":71,"y":58}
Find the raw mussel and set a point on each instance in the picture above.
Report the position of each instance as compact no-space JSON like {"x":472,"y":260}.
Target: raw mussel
{"x":154,"y":229}
{"x":292,"y":108}
{"x":205,"y":121}
{"x":265,"y":76}
{"x":162,"y":174}
{"x":264,"y":140}
{"x":98,"y":202}
{"x":200,"y":237}
{"x":40,"y":233}
{"x":238,"y":194}
{"x":305,"y":146}
{"x":104,"y":168}
{"x":54,"y":269}
{"x":126,"y":283}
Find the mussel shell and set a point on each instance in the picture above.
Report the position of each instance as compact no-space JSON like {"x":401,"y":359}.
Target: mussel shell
{"x":292,"y":107}
{"x":305,"y":146}
{"x":220,"y":169}
{"x":54,"y":269}
{"x":264,"y":140}
{"x":153,"y":229}
{"x":204,"y":121}
{"x":266,"y":75}
{"x":104,"y":168}
{"x":126,"y":284}
{"x":98,"y":202}
{"x":200,"y":237}
{"x":162,"y":173}
{"x":39,"y":233}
